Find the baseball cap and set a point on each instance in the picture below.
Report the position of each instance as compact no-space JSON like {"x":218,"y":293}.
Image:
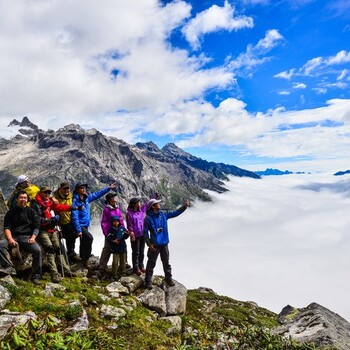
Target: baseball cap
{"x":45,"y":189}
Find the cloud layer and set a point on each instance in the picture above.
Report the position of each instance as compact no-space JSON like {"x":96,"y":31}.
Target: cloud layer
{"x":277,"y":241}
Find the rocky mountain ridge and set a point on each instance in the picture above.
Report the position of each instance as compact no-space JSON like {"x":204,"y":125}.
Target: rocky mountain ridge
{"x":74,"y":154}
{"x":270,"y":172}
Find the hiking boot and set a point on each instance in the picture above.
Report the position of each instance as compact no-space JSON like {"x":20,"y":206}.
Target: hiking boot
{"x":148,"y":285}
{"x":86,"y":264}
{"x":71,"y":274}
{"x":127,"y":266}
{"x":36,"y":280}
{"x":138,"y":272}
{"x":55,"y":278}
{"x":75,"y":258}
{"x":143,"y":270}
{"x":170,"y":282}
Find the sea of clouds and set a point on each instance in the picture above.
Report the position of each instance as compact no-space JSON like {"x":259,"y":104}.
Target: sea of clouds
{"x":276,"y":241}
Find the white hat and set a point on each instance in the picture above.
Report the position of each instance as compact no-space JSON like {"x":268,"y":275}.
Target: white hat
{"x":22,"y":178}
{"x":153,"y":202}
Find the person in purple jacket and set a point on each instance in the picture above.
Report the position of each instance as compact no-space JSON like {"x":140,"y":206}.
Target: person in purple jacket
{"x":111,"y":209}
{"x":135,"y":216}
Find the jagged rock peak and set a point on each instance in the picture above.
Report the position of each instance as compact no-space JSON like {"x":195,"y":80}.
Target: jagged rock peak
{"x":314,"y":324}
{"x":24,"y":123}
{"x":172,"y":149}
{"x":149,"y":146}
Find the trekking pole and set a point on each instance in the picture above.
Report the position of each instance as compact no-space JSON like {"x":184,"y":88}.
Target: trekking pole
{"x":60,"y":249}
{"x":63,"y":247}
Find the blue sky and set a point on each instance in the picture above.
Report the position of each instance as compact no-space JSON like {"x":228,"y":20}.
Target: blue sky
{"x":254,"y":83}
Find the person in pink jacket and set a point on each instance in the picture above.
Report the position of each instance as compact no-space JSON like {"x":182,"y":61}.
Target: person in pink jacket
{"x":111,"y":209}
{"x":135,"y":217}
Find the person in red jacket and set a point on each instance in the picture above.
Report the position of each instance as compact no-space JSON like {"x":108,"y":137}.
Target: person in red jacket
{"x":48,"y":236}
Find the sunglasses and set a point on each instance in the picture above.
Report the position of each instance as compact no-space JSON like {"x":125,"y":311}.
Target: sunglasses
{"x":65,"y":188}
{"x":47,"y":192}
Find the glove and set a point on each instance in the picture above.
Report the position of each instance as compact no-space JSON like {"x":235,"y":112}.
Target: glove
{"x":55,"y":219}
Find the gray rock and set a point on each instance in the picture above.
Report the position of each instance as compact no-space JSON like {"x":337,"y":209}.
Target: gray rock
{"x":7,"y":280}
{"x":112,"y":312}
{"x":51,"y":287}
{"x":132,"y":282}
{"x":176,"y":324}
{"x":117,"y":287}
{"x":9,"y":318}
{"x":154,"y":299}
{"x":175,"y":299}
{"x":81,"y":324}
{"x":5,"y":296}
{"x":315,"y":325}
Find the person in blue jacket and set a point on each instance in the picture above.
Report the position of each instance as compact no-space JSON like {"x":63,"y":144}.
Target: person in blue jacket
{"x":155,"y":231}
{"x":81,"y":218}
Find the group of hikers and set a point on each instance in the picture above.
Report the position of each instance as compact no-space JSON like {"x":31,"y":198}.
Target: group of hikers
{"x":39,"y":218}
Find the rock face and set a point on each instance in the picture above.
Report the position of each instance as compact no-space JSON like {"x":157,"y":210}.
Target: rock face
{"x":73,"y":154}
{"x":315,"y":324}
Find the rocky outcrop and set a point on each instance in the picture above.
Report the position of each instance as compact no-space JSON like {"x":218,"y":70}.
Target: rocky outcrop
{"x":315,"y":324}
{"x":166,"y":302}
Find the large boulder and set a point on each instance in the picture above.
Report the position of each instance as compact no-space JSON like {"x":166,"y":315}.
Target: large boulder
{"x":165,"y":300}
{"x":315,"y":324}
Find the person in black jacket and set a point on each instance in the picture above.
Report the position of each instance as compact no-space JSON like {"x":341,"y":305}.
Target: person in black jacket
{"x":21,"y":225}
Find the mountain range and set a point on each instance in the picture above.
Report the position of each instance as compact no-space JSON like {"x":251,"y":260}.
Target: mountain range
{"x":74,"y":154}
{"x":270,"y":171}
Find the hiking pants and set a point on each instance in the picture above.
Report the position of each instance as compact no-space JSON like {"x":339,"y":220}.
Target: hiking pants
{"x":70,"y":236}
{"x":152,"y":259}
{"x":85,"y":244}
{"x":54,"y":253}
{"x":138,"y":248}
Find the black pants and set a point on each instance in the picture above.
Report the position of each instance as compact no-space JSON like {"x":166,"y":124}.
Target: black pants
{"x":85,"y":244}
{"x":70,"y":236}
{"x":138,"y":253}
{"x":152,"y":259}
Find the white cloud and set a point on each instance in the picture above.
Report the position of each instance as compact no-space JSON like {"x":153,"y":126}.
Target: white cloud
{"x":284,"y":93}
{"x":338,"y":84}
{"x":255,"y":2}
{"x":299,"y":86}
{"x":271,"y":40}
{"x":341,"y":57}
{"x":343,"y":74}
{"x":320,"y":91}
{"x":320,"y":133}
{"x":212,"y":20}
{"x":252,"y":57}
{"x":286,"y":74}
{"x":312,"y":65}
{"x":56,"y":65}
